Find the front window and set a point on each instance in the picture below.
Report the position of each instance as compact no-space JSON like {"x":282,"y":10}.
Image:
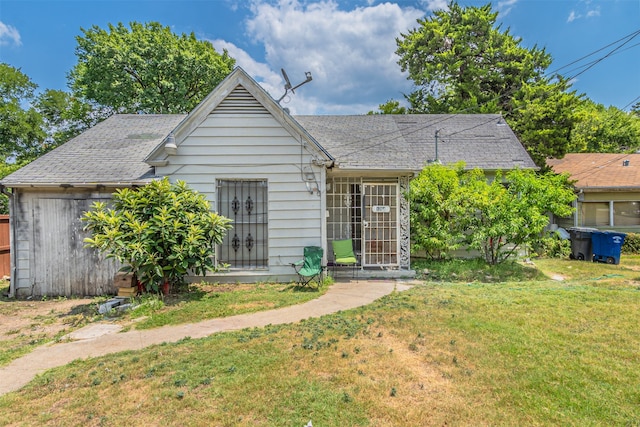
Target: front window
{"x":245,"y":202}
{"x":595,"y":214}
{"x":626,"y":214}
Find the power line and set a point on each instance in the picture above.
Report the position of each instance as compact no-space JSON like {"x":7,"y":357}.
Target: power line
{"x":633,"y":34}
{"x":606,"y":56}
{"x":588,"y":66}
{"x":631,"y":103}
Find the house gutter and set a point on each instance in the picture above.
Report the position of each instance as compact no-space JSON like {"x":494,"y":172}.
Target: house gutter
{"x":12,"y":239}
{"x":606,"y":189}
{"x":78,"y":184}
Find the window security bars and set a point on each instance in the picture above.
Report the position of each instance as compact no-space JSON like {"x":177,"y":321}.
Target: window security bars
{"x":246,"y":244}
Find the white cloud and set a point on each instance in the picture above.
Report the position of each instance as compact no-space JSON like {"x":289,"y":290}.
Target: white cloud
{"x":350,"y":54}
{"x":587,"y":11}
{"x":259,"y":71}
{"x":505,"y":6}
{"x":9,"y":35}
{"x":593,"y":12}
{"x":437,"y":5}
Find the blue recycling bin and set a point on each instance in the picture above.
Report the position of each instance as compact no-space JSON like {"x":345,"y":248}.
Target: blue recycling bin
{"x":606,"y":246}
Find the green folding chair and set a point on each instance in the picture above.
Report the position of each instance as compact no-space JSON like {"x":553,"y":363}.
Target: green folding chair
{"x":343,"y":255}
{"x":310,"y":267}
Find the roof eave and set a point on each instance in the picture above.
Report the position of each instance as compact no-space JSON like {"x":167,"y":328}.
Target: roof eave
{"x":49,"y":185}
{"x":629,"y":188}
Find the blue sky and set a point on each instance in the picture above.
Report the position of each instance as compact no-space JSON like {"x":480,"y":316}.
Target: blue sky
{"x":348,"y":46}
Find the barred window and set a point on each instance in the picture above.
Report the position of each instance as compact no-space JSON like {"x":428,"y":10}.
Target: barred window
{"x":245,"y":202}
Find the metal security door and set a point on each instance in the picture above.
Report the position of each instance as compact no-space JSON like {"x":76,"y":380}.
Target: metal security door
{"x":380,"y":221}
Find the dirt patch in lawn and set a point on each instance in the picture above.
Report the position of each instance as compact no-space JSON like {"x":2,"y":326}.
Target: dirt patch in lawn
{"x":43,"y":318}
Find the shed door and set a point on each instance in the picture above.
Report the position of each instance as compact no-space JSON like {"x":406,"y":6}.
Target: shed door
{"x":62,"y":265}
{"x":380,"y":221}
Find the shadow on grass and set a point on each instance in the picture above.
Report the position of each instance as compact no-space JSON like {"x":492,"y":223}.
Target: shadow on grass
{"x":475,"y":270}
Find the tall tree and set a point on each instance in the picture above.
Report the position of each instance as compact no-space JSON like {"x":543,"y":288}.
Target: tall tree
{"x":146,"y":68}
{"x":461,"y":61}
{"x":544,"y":116}
{"x":21,"y":125}
{"x":66,"y":115}
{"x":605,"y":130}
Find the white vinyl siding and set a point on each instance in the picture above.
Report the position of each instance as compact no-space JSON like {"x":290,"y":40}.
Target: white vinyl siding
{"x":255,"y":146}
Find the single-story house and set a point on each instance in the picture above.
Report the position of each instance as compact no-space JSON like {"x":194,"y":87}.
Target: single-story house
{"x":286,"y":182}
{"x":607,"y":187}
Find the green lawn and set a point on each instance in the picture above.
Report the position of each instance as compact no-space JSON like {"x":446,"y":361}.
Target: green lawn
{"x":537,"y":351}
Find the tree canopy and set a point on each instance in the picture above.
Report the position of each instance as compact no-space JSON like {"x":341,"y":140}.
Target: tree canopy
{"x":605,"y":130}
{"x":21,"y":125}
{"x":461,"y":61}
{"x":146,"y":68}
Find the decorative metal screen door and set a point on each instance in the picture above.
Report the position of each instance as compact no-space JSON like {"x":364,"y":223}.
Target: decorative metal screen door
{"x":380,"y":221}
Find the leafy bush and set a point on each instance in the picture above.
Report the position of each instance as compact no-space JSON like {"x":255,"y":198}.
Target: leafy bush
{"x":450,"y":207}
{"x":160,"y":232}
{"x":552,"y":246}
{"x":631,"y":244}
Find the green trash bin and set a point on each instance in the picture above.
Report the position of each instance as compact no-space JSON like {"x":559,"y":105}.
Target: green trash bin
{"x":581,"y":243}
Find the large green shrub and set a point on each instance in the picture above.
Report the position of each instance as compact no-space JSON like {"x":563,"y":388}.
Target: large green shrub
{"x":160,"y":232}
{"x":434,"y":210}
{"x":451,"y":207}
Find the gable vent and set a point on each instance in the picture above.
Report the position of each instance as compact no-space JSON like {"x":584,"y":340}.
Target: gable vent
{"x":240,"y":101}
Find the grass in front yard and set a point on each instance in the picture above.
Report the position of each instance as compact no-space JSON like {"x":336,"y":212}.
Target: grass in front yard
{"x":209,"y":301}
{"x":545,"y":352}
{"x":200,"y":302}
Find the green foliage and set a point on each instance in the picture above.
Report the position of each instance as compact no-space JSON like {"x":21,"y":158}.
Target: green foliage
{"x":543,"y":117}
{"x":605,"y":130}
{"x":21,"y":132}
{"x":505,"y":216}
{"x":552,"y":246}
{"x":450,"y":207}
{"x":160,"y":231}
{"x":631,"y":244}
{"x":390,"y":107}
{"x":146,"y":68}
{"x":6,"y":169}
{"x":66,"y":116}
{"x":434,"y":210}
{"x":460,"y":60}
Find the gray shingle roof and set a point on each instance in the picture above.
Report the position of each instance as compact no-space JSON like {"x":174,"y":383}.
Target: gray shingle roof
{"x":111,"y":152}
{"x":407,"y":142}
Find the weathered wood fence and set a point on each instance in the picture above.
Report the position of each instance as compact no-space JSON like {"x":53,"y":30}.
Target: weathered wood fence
{"x":5,"y":248}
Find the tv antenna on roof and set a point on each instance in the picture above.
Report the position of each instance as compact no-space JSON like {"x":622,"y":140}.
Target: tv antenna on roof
{"x":287,"y":83}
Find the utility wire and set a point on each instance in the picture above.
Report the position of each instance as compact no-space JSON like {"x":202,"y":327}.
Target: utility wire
{"x":606,"y":56}
{"x":450,"y":116}
{"x":632,"y":102}
{"x":635,"y":33}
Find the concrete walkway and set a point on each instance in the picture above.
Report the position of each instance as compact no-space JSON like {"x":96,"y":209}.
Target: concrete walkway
{"x":100,"y":339}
